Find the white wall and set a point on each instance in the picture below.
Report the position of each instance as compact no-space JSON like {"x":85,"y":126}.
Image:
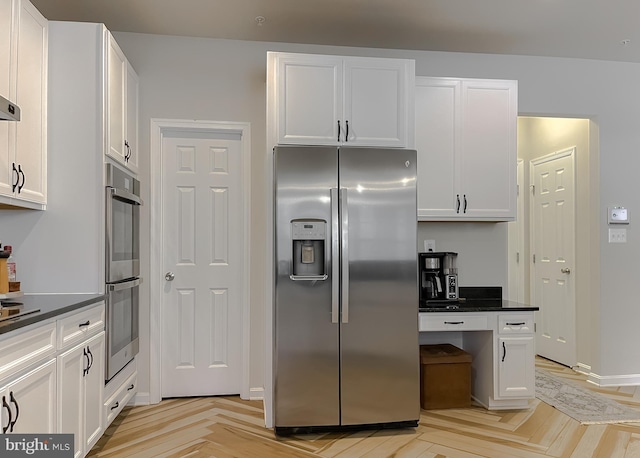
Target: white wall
{"x":225,"y":80}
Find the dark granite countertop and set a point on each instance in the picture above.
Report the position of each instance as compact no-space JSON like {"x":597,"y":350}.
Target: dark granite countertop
{"x":477,"y":305}
{"x":476,"y":299}
{"x":49,"y":306}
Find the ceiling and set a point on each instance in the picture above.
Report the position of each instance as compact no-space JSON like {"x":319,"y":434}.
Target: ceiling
{"x":590,"y":29}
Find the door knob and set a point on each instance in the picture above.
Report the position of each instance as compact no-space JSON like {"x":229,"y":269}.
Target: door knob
{"x":566,"y":270}
{"x":169,"y":276}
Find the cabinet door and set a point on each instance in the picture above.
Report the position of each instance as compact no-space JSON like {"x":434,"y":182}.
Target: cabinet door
{"x":31,"y":97}
{"x":378,"y":101}
{"x":488,"y":167}
{"x":7,"y":64}
{"x":437,"y":131}
{"x":516,"y":367}
{"x":80,"y":388}
{"x":131,"y":150}
{"x":71,"y":366}
{"x":33,"y":398}
{"x":93,"y":391}
{"x":117,"y":77}
{"x":308,"y":99}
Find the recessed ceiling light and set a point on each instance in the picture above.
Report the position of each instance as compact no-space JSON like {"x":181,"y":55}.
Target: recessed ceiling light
{"x":260,"y":20}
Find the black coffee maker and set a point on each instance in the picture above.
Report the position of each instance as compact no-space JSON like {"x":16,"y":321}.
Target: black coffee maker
{"x":438,"y":276}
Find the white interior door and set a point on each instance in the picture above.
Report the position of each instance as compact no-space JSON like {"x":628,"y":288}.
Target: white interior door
{"x":553,"y":249}
{"x":202,"y":244}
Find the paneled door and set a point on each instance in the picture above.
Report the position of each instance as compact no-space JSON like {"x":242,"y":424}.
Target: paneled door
{"x":202,"y":226}
{"x":553,"y":248}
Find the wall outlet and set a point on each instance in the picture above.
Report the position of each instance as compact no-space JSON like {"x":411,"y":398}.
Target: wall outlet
{"x":617,"y":235}
{"x":429,"y":245}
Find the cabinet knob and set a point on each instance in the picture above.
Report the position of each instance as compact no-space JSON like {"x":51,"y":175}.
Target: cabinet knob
{"x":566,"y":270}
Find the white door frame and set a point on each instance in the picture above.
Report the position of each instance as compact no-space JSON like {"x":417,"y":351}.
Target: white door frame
{"x":159,"y":128}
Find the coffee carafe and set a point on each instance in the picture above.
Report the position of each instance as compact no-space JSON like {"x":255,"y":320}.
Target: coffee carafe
{"x":438,"y":276}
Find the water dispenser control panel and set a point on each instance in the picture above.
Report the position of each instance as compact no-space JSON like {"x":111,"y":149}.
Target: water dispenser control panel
{"x":308,"y":230}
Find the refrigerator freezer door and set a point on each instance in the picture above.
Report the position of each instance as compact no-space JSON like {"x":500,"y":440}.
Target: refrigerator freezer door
{"x":306,"y":384}
{"x":380,"y":372}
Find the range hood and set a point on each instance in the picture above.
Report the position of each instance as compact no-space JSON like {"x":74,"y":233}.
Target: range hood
{"x":8,"y":110}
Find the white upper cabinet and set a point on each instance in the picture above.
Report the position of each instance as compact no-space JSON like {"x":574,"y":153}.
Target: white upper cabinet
{"x":337,"y":100}
{"x":466,"y":142}
{"x":23,"y":80}
{"x":8,"y":13}
{"x":122,"y":107}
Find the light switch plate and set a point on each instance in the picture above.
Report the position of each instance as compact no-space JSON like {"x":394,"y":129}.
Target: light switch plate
{"x":618,"y":215}
{"x":617,"y":235}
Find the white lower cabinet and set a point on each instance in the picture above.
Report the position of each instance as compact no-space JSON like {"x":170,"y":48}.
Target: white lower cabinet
{"x":516,"y":367}
{"x":515,"y":357}
{"x":80,"y":387}
{"x":502,"y":349}
{"x":52,"y":378}
{"x":29,"y":401}
{"x":122,"y":395}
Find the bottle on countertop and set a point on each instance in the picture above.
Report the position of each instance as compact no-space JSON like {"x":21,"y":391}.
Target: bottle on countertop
{"x":11,"y":263}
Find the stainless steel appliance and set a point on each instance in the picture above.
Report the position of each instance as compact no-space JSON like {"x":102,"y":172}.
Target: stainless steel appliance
{"x":122,"y":268}
{"x":9,"y":111}
{"x":346,"y":282}
{"x":438,"y":276}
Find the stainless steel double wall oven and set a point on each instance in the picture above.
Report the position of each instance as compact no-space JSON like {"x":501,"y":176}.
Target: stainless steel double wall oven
{"x":122,"y":268}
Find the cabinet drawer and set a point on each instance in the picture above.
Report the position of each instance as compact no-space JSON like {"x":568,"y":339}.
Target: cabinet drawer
{"x":81,"y":325}
{"x":455,"y":322}
{"x":114,"y":405}
{"x":515,"y":324}
{"x":26,"y":348}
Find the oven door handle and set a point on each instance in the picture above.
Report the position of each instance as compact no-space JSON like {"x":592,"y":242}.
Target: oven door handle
{"x":125,"y":196}
{"x":124,"y":285}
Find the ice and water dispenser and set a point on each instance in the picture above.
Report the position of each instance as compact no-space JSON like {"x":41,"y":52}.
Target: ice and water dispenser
{"x":308,"y":237}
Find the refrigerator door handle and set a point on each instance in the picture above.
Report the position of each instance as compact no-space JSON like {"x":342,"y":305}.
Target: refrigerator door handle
{"x":344,"y":220}
{"x":335,"y":257}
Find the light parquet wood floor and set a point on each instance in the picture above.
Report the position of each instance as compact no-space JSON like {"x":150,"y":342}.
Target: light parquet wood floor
{"x":230,"y":427}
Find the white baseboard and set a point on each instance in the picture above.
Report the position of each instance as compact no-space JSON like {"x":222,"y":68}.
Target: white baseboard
{"x":256,"y":394}
{"x":144,"y":398}
{"x":582,"y":368}
{"x":614,"y":380}
{"x":141,"y":399}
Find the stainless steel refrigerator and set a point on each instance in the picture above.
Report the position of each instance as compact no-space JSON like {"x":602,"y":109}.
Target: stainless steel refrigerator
{"x":346,"y":288}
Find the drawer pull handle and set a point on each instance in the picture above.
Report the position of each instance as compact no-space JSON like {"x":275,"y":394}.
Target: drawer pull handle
{"x":131,"y":387}
{"x":454,"y":322}
{"x":504,"y":351}
{"x":516,"y":324}
{"x":6,"y":406}
{"x":115,"y":406}
{"x":17,"y":410}
{"x":85,"y":371}
{"x":86,"y":323}
{"x":91,"y":356}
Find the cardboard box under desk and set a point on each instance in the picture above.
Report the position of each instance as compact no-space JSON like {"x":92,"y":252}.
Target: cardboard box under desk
{"x":445,"y":377}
